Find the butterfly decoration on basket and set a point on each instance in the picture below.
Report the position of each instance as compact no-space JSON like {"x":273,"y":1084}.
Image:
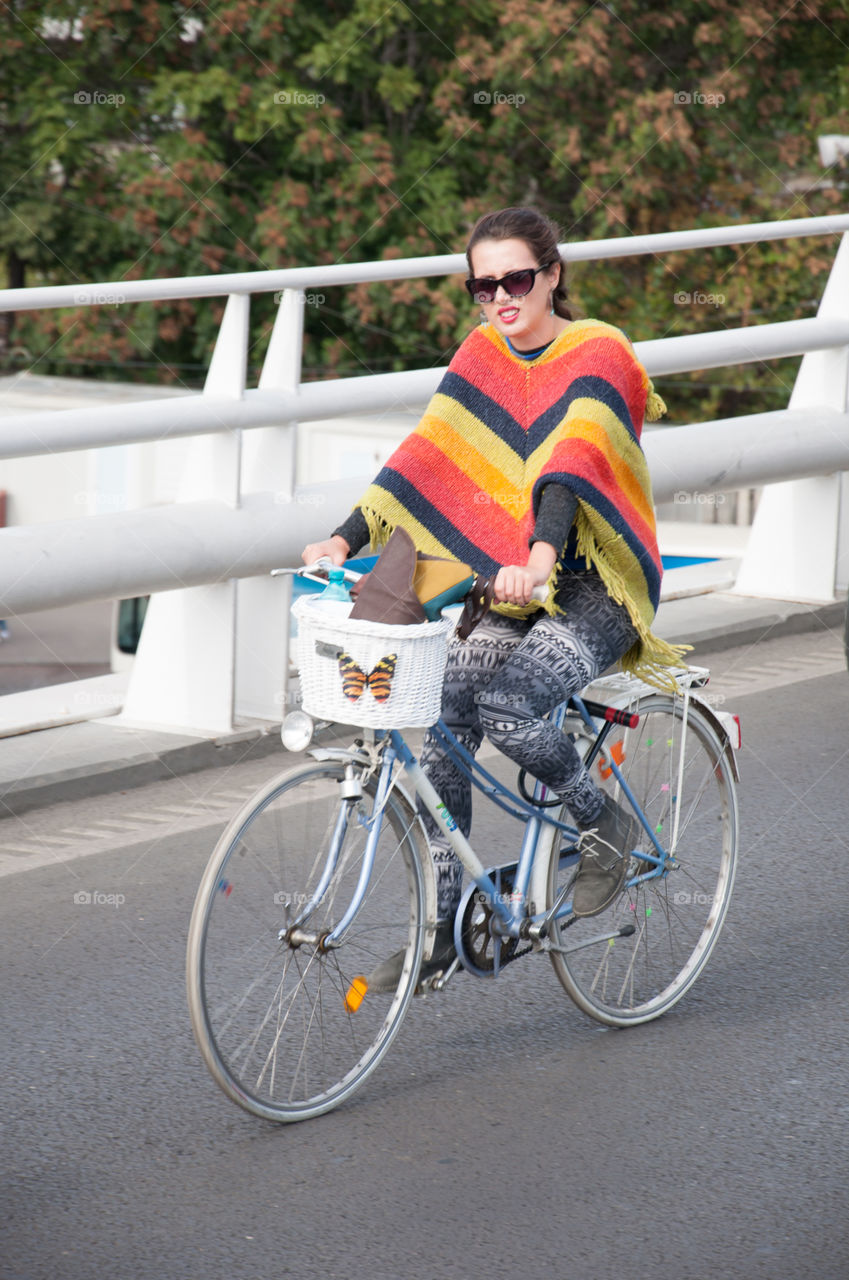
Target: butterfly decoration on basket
{"x":355,"y":681}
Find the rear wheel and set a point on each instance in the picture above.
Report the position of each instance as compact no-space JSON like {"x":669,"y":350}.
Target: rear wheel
{"x":681,"y":777}
{"x":285,"y":1023}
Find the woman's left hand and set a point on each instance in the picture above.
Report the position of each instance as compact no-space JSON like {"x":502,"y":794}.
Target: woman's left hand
{"x":514,"y":583}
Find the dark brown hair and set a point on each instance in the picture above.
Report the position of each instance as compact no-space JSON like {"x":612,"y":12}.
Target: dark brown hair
{"x":539,"y":233}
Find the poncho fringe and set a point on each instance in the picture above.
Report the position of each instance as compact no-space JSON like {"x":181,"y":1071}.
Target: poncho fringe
{"x":650,"y":657}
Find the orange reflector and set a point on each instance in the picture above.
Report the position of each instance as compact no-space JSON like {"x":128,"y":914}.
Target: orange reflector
{"x":618,"y":753}
{"x":356,"y":991}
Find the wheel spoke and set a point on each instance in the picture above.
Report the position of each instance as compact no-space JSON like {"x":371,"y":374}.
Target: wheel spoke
{"x":685,"y":788}
{"x":270,"y":1011}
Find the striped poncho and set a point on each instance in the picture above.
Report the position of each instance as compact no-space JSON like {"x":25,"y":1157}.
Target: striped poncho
{"x":466,"y":482}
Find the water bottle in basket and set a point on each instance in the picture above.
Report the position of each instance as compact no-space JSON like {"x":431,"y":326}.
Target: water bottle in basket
{"x":336,"y":588}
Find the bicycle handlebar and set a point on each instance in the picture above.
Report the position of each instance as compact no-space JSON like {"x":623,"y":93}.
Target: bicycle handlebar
{"x":476,"y":600}
{"x":318,"y":572}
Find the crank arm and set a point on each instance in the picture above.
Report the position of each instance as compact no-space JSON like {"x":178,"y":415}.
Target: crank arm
{"x":440,"y":980}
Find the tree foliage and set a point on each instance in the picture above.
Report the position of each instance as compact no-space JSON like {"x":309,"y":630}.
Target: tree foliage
{"x":160,"y":139}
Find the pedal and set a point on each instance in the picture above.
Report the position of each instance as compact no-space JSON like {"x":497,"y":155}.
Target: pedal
{"x":438,"y":981}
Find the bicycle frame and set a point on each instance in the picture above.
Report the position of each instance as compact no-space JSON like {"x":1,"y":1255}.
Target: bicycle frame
{"x":511,"y":919}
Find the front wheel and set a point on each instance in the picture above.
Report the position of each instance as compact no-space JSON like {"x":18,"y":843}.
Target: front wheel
{"x":280,"y":1014}
{"x":681,"y":778}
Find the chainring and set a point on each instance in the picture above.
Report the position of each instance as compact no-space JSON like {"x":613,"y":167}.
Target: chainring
{"x":479,"y":947}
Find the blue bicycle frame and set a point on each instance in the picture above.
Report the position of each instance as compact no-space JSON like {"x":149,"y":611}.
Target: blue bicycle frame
{"x":510,"y":917}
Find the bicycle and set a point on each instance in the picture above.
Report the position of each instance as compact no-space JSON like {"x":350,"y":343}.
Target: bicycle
{"x":326,"y":871}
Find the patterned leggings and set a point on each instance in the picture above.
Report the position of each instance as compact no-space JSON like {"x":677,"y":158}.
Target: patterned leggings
{"x":501,"y":682}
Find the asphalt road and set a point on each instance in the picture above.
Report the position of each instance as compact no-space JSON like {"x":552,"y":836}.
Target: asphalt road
{"x":505,"y":1133}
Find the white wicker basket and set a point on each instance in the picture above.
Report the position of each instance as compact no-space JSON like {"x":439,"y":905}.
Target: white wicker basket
{"x":410,"y":686}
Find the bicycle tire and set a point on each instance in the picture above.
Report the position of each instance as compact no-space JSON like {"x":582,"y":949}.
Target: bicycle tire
{"x":677,"y":917}
{"x":272,"y":1020}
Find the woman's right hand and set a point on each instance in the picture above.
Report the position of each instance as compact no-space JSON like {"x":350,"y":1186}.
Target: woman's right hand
{"x":335,"y":549}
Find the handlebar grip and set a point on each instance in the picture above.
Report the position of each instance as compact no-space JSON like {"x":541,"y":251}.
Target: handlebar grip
{"x":479,"y":599}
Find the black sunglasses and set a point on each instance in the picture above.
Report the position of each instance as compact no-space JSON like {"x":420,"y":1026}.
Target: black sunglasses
{"x":516,"y":283}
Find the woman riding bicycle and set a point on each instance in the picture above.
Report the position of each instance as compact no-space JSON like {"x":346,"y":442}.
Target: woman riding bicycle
{"x":527,"y":466}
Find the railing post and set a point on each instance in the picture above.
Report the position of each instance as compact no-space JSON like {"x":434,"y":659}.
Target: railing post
{"x":797,"y":548}
{"x":269,"y":464}
{"x":184,"y":673}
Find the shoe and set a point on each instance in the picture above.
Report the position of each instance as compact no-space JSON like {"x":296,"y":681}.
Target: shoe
{"x":385,"y":977}
{"x":605,"y":850}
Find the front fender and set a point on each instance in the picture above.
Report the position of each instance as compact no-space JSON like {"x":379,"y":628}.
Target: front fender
{"x":413,"y":822}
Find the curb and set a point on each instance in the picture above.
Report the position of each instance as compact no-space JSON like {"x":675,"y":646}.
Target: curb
{"x":791,"y":620}
{"x":102,"y":777}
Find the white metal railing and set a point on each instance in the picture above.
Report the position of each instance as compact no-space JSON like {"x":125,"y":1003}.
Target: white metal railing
{"x":116,"y":292}
{"x":214,"y":649}
{"x":40,"y":433}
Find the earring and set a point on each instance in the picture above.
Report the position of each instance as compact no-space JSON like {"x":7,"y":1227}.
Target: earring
{"x":482,"y":315}
{"x":551,"y":303}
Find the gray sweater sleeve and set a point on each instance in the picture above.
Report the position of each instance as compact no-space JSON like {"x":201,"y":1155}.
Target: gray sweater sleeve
{"x":354,"y":530}
{"x":555,"y":515}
